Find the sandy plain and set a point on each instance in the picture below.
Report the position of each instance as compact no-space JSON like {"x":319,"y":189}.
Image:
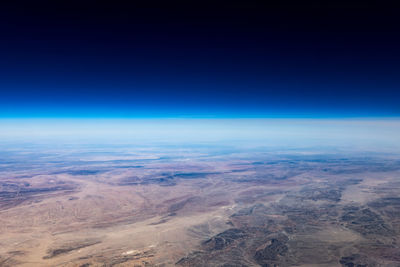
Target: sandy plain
{"x":198,"y":207}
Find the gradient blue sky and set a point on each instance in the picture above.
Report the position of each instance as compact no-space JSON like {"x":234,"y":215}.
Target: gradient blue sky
{"x":187,"y":59}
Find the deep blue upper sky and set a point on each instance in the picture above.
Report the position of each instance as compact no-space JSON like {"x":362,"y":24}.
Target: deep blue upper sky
{"x":182,"y":59}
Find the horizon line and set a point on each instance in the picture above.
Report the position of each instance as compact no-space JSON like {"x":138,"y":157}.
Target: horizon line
{"x":395,"y":117}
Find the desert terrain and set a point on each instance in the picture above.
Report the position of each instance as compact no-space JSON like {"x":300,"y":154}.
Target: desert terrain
{"x":198,"y":206}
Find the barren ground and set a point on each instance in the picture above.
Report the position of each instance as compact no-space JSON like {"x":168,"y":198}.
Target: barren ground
{"x":198,"y":207}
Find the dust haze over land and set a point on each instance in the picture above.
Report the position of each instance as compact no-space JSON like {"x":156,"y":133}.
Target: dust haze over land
{"x":247,"y":192}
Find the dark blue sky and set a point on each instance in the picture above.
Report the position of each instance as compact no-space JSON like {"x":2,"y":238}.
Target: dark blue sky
{"x":182,"y":59}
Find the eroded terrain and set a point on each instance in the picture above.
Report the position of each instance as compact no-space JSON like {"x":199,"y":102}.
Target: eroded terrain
{"x":197,"y":206}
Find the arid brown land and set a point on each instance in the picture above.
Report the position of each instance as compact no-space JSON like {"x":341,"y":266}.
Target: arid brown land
{"x":196,"y":206}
